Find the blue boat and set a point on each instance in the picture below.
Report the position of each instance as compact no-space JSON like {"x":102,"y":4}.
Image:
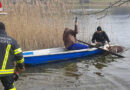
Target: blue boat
{"x":56,"y":54}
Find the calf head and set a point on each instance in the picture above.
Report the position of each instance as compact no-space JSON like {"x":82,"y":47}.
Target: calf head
{"x":116,"y":49}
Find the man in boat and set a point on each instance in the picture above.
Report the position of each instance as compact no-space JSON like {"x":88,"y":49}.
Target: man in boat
{"x":10,"y":52}
{"x":100,"y":37}
{"x":69,"y":38}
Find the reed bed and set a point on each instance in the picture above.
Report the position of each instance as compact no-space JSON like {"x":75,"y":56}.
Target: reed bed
{"x":37,"y":24}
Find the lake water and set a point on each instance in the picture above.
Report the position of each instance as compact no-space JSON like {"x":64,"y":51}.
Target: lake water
{"x":104,"y":72}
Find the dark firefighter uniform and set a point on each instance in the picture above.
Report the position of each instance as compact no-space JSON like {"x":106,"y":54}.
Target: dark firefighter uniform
{"x":9,"y":52}
{"x":100,"y":37}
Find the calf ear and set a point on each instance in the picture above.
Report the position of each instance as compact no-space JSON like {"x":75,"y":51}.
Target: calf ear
{"x":109,"y":47}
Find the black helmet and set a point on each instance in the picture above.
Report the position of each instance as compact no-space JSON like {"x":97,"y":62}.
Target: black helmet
{"x":2,"y":27}
{"x":99,"y":28}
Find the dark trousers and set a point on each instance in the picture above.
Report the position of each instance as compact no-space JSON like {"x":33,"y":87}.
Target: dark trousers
{"x":8,"y":82}
{"x":100,"y":44}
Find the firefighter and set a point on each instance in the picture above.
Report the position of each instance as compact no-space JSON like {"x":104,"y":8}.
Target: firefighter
{"x":10,"y":52}
{"x":100,"y":37}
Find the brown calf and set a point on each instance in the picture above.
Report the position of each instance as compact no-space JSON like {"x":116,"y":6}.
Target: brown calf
{"x":116,"y":49}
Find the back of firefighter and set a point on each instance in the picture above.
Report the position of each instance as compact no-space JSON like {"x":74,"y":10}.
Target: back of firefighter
{"x":9,"y":53}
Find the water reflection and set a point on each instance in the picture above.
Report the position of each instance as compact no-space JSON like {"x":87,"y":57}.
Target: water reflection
{"x":71,"y":70}
{"x":75,"y":67}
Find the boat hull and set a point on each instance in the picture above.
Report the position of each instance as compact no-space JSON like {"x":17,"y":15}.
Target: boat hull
{"x":42,"y":59}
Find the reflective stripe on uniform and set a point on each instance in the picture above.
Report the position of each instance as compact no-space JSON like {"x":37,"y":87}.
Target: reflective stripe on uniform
{"x":13,"y":89}
{"x":20,"y":61}
{"x":6,"y":56}
{"x":7,"y":71}
{"x":17,"y":51}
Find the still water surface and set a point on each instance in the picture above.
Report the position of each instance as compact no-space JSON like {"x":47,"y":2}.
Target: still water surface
{"x":104,"y":72}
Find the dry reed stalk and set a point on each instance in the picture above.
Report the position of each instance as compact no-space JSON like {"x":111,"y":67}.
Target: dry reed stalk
{"x":35,"y":26}
{"x":39,"y":25}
